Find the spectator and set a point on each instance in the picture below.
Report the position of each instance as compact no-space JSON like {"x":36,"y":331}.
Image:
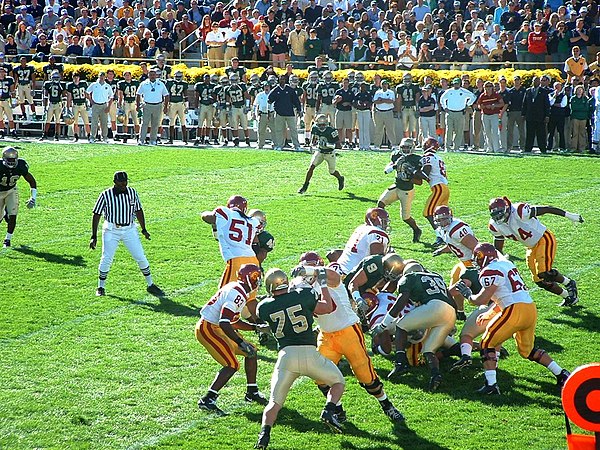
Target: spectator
{"x":25,"y":17}
{"x":36,"y":10}
{"x":296,"y":40}
{"x":407,"y":54}
{"x":496,"y":54}
{"x":59,"y":47}
{"x":89,"y":47}
{"x":461,"y":56}
{"x":231,"y":33}
{"x":324,"y":27}
{"x":559,"y":110}
{"x":511,"y":20}
{"x":500,"y":9}
{"x":204,"y":28}
{"x":263,"y":44}
{"x":479,"y":54}
{"x":101,"y":51}
{"x":132,"y":49}
{"x":263,"y":6}
{"x":420,"y":9}
{"x":427,"y":107}
{"x":23,"y":39}
{"x":509,"y":55}
{"x":152,"y":51}
{"x":424,"y":58}
{"x":165,"y":43}
{"x":441,"y":54}
{"x":118,"y":49}
{"x":576,"y":65}
{"x":580,"y":114}
{"x":387,"y":57}
{"x":491,"y":104}
{"x":49,"y":19}
{"x":245,"y":44}
{"x":313,"y":12}
{"x":357,"y":54}
{"x":536,"y":110}
{"x":215,"y":41}
{"x":580,"y":37}
{"x":536,"y":44}
{"x":563,"y":45}
{"x":43,"y":45}
{"x":279,"y":47}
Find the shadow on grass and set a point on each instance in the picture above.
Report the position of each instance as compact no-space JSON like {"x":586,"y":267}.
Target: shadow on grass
{"x":165,"y":305}
{"x":404,"y":438}
{"x":349,"y":196}
{"x":68,"y":260}
{"x":577,"y":317}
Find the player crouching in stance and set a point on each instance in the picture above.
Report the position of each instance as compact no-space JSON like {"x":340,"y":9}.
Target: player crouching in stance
{"x":407,"y":165}
{"x":216,"y":331}
{"x":514,"y":314}
{"x":11,"y":169}
{"x":520,"y":222}
{"x":327,"y":139}
{"x":340,"y":334}
{"x":435,"y":310}
{"x":289,"y":312}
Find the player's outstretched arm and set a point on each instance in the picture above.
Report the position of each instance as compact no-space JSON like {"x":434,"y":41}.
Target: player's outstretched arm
{"x":541,"y":210}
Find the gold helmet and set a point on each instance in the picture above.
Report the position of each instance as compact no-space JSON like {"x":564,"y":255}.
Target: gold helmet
{"x":10,"y":157}
{"x":412,"y":265}
{"x":393,"y":264}
{"x":276,"y":279}
{"x":260,"y":215}
{"x":121,"y":116}
{"x":68,"y":117}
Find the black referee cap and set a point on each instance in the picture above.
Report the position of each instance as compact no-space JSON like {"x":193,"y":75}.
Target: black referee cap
{"x":120,"y":176}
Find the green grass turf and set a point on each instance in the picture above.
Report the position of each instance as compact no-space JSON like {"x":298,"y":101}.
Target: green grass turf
{"x":125,"y":371}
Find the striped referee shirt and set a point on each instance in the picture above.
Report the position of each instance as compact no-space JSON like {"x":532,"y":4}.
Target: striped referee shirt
{"x":118,"y":208}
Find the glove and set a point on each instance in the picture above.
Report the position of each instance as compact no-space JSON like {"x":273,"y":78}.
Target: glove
{"x":361,"y":304}
{"x":389,"y":168}
{"x":322,"y":278}
{"x":263,"y":328}
{"x":298,"y":271}
{"x":575,"y":218}
{"x":438,"y":252}
{"x":248,"y":349}
{"x":31,"y":203}
{"x":464,"y":290}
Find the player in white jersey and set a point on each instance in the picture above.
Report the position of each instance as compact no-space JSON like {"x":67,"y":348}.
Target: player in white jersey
{"x":459,"y":240}
{"x":514,"y":314}
{"x":216,"y":331}
{"x":340,"y":335}
{"x":370,"y":238}
{"x":433,"y":169}
{"x":235,"y":232}
{"x":520,"y":223}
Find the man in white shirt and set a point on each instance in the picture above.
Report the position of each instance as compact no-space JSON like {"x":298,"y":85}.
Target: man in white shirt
{"x":155,"y":96}
{"x":407,"y":54}
{"x":101,"y":96}
{"x":263,"y":112}
{"x":454,"y":101}
{"x":215,"y":40}
{"x":383,"y":113}
{"x":231,"y":35}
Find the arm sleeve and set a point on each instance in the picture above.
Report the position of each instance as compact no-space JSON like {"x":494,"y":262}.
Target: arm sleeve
{"x":100,"y":205}
{"x":495,"y":231}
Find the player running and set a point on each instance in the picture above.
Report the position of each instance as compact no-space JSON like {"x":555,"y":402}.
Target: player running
{"x":520,"y":223}
{"x":327,"y":139}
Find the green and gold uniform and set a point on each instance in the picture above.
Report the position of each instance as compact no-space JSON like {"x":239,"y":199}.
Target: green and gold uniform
{"x":373,"y":267}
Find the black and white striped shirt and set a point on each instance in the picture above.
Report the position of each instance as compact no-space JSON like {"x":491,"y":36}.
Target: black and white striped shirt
{"x":118,"y":208}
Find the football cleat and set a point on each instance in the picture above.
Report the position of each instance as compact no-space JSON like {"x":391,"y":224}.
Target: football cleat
{"x":460,"y":315}
{"x":303,"y":189}
{"x":569,"y":301}
{"x":263,"y":439}
{"x":399,"y":369}
{"x":487,"y":389}
{"x":393,"y":414}
{"x":210,"y":405}
{"x":256,"y":397}
{"x":100,"y":292}
{"x":340,"y":414}
{"x":417,"y":235}
{"x":562,"y":377}
{"x":504,"y":353}
{"x":155,"y":290}
{"x":434,"y":382}
{"x":340,"y":183}
{"x":439,"y":242}
{"x":572,"y":289}
{"x":328,"y":417}
{"x":464,"y":361}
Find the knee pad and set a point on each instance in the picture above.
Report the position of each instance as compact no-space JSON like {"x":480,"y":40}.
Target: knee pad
{"x":324,"y":389}
{"x":546,"y":285}
{"x":549,"y":276}
{"x":488,"y":354}
{"x":536,"y":354}
{"x":375,"y":388}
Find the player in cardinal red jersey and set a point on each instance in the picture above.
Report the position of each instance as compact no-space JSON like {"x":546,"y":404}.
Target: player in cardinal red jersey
{"x":370,"y":238}
{"x":513,"y":315}
{"x":216,"y":332}
{"x":520,"y":223}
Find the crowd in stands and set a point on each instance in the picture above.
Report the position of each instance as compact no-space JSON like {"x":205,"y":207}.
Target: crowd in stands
{"x":381,"y":34}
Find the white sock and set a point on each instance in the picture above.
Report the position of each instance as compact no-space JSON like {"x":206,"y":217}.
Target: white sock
{"x":8,"y":236}
{"x":564,"y":294}
{"x":149,"y":280}
{"x":382,"y":351}
{"x":566,"y":280}
{"x":339,"y":403}
{"x":554,"y":368}
{"x":382,"y":398}
{"x":490,"y":376}
{"x":101,"y":283}
{"x":466,"y":349}
{"x":497,"y":355}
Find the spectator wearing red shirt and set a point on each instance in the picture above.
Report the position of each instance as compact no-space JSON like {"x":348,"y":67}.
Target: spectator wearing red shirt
{"x":536,"y":44}
{"x":490,"y":103}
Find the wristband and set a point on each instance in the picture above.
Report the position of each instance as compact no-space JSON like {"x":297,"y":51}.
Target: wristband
{"x":33,"y":193}
{"x":387,"y":320}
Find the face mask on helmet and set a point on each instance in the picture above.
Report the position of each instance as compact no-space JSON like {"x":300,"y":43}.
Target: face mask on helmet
{"x":234,"y":79}
{"x":294,"y":81}
{"x":328,"y":78}
{"x":272,"y":80}
{"x":311,"y":259}
{"x":499,"y":210}
{"x":313,"y":79}
{"x":407,"y":80}
{"x":351,"y":77}
{"x":225,"y":81}
{"x":254,"y":79}
{"x":214,"y":79}
{"x":442,"y":216}
{"x":10,"y":157}
{"x":55,"y":77}
{"x":322,"y":123}
{"x":359,"y":78}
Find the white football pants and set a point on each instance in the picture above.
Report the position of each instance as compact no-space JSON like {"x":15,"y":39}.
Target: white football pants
{"x":111,"y":236}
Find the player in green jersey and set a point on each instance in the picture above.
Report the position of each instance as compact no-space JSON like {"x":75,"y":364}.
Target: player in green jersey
{"x":290,"y":315}
{"x":327,"y":139}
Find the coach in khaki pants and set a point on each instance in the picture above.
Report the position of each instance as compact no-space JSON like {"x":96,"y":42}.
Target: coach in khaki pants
{"x":101,"y":96}
{"x":383,"y":114}
{"x":263,"y":111}
{"x":155,"y":96}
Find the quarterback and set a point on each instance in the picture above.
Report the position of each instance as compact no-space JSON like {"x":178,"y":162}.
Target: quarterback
{"x":327,"y":139}
{"x":11,"y":169}
{"x":520,"y":223}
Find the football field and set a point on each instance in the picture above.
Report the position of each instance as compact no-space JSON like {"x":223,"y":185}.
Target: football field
{"x":125,"y":371}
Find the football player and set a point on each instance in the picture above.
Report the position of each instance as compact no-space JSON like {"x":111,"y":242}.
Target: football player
{"x":235,"y":231}
{"x":370,"y":238}
{"x":126,"y":90}
{"x":238,"y":98}
{"x":520,"y":223}
{"x":7,"y":94}
{"x":408,"y":94}
{"x":340,"y":335}
{"x":290,"y":316}
{"x":435,"y":310}
{"x":407,"y":165}
{"x":54,"y":90}
{"x":216,"y":331}
{"x":433,"y":170}
{"x":327,"y":139}
{"x":77,"y":100}
{"x":264,"y":242}
{"x":222,"y":107}
{"x":205,"y":99}
{"x":514,"y":314}
{"x":11,"y":169}
{"x":326,"y":95}
{"x":459,"y":240}
{"x":24,"y":75}
{"x":309,"y":102}
{"x":177,"y":88}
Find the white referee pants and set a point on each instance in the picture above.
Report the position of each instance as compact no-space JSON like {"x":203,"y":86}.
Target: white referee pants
{"x":365,"y":123}
{"x":111,"y":236}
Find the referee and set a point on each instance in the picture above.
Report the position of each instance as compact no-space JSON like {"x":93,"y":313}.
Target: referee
{"x":155,"y":96}
{"x":120,"y":206}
